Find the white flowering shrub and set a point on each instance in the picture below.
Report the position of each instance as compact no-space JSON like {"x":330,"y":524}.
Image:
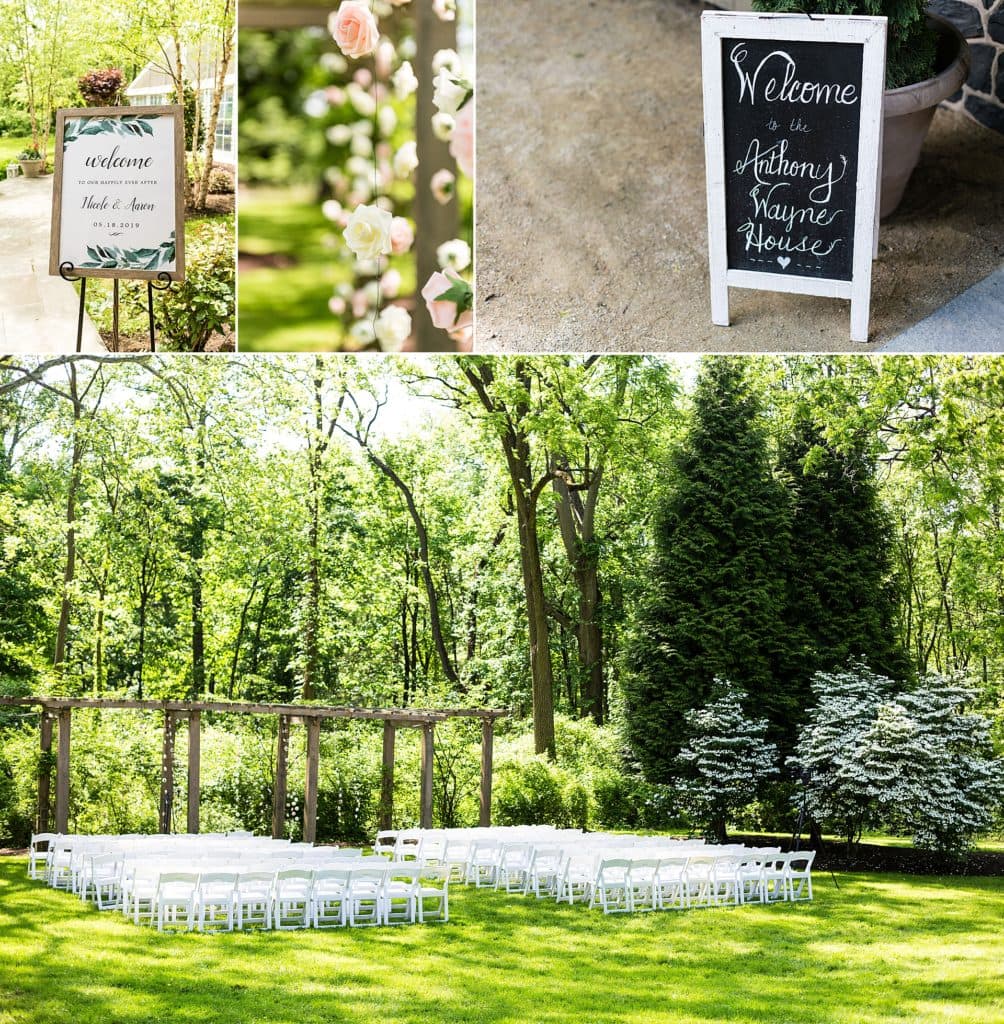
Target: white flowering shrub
{"x":726,"y":760}
{"x":916,"y":761}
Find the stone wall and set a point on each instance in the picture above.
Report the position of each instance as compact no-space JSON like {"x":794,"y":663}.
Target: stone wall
{"x":982,"y":23}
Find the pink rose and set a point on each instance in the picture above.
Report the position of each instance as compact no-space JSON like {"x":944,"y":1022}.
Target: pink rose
{"x":355,"y":29}
{"x":402,"y":237}
{"x":443,"y":311}
{"x":441,"y":184}
{"x":462,"y":143}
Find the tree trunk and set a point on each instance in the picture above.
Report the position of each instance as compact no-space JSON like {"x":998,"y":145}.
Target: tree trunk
{"x":70,"y":564}
{"x":223,"y":66}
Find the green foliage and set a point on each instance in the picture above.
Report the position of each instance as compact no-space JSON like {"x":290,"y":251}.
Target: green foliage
{"x":221,"y":182}
{"x":531,"y":792}
{"x":14,"y":122}
{"x":204,"y":304}
{"x":844,"y":599}
{"x":717,"y":596}
{"x":911,"y":45}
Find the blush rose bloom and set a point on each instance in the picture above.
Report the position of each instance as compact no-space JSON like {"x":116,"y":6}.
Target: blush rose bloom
{"x":448,"y":93}
{"x":441,"y":184}
{"x":402,"y":236}
{"x":367,"y":232}
{"x":355,"y":29}
{"x":462,"y":143}
{"x":443,"y":311}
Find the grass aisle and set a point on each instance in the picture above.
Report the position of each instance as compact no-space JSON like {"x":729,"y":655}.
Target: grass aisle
{"x":879,"y":949}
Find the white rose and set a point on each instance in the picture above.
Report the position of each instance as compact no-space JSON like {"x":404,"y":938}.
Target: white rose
{"x":362,"y":145}
{"x":332,"y":209}
{"x":406,"y":159}
{"x":448,"y":59}
{"x":446,"y":10}
{"x":442,"y":126}
{"x":454,"y":255}
{"x":393,"y":327}
{"x":362,"y":333}
{"x":405,"y":82}
{"x":361,"y":100}
{"x":367,"y":232}
{"x":339,"y":134}
{"x":448,"y":94}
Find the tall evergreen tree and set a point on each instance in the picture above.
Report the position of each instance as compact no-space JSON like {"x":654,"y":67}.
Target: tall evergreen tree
{"x":843,"y":593}
{"x":717,"y":597}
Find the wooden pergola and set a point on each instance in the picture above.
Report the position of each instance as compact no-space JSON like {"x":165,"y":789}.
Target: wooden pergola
{"x":60,"y":710}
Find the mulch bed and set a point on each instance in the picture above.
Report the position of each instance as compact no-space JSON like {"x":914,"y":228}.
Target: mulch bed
{"x":894,"y":859}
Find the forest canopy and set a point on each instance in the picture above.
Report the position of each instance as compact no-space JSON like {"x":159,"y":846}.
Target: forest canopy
{"x":485,"y":530}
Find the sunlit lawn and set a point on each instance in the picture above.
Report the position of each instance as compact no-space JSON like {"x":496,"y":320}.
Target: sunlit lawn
{"x":286,"y":309}
{"x":10,"y":147}
{"x":878,"y":949}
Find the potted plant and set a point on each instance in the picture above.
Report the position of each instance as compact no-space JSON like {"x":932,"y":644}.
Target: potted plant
{"x":13,"y":169}
{"x":31,"y":161}
{"x":927,"y":60}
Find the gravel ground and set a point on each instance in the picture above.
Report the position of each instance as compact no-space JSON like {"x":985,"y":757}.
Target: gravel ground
{"x":591,"y":231}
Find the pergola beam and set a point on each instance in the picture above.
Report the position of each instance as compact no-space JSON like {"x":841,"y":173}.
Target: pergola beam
{"x":279,"y":789}
{"x":487,"y":743}
{"x":428,"y":756}
{"x":310,"y":783}
{"x":386,"y":815}
{"x":44,"y":773}
{"x":166,"y":774}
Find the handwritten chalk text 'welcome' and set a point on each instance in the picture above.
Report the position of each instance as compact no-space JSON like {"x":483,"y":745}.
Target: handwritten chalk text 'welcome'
{"x":774,"y":80}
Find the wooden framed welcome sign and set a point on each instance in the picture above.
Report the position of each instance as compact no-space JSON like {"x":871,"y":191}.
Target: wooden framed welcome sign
{"x":118,"y":201}
{"x":793,"y":139}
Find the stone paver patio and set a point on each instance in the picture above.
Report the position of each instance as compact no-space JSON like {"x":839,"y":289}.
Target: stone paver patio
{"x":38,"y":313}
{"x":591,"y":230}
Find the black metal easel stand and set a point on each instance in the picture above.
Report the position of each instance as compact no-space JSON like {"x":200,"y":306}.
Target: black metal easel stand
{"x":162,"y":284}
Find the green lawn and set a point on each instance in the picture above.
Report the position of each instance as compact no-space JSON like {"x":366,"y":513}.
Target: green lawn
{"x":878,"y":949}
{"x":10,"y":147}
{"x":286,"y":309}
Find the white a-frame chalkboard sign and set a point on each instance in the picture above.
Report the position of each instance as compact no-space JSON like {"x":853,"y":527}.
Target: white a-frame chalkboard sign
{"x":793,"y":138}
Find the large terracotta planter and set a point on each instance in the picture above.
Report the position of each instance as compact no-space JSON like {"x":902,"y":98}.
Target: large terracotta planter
{"x":31,"y":168}
{"x":910,"y":110}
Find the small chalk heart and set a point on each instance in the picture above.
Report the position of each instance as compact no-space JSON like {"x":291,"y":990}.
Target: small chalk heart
{"x":784,"y":261}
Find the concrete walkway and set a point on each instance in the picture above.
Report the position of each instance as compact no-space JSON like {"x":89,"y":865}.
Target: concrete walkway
{"x":38,"y":313}
{"x":591,"y":223}
{"x":974,"y":322}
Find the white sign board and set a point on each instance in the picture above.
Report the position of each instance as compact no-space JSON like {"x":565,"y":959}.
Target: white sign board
{"x":793,"y":140}
{"x":118,"y":205}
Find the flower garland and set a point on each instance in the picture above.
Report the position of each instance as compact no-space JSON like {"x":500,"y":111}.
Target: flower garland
{"x":370,"y":228}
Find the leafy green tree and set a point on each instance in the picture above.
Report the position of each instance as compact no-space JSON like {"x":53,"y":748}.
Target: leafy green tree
{"x":717,"y":596}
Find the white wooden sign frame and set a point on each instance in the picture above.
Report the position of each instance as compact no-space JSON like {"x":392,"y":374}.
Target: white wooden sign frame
{"x":173,"y":186}
{"x":871,"y":33}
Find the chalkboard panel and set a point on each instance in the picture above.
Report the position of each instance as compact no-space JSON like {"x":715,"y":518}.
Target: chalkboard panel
{"x":792,"y":114}
{"x":792,"y":144}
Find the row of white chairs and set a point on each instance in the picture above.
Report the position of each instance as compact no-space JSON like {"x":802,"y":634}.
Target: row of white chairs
{"x":213,"y":886}
{"x":613,"y":872}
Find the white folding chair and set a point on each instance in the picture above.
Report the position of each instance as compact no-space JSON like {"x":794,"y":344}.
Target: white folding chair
{"x":102,"y":876}
{"x":577,"y":876}
{"x":365,"y":898}
{"x":612,"y":886}
{"x":432,"y":896}
{"x":39,"y":851}
{"x":800,"y":872}
{"x":725,"y":881}
{"x":328,"y":897}
{"x":643,"y":883}
{"x":385,"y":842}
{"x":177,"y":895}
{"x":139,"y":892}
{"x":544,"y":873}
{"x":700,"y":880}
{"x":400,"y":895}
{"x":482,"y":862}
{"x":253,"y":895}
{"x":671,"y":884}
{"x":513,"y":869}
{"x":774,"y":875}
{"x":456,"y":857}
{"x":217,"y":890}
{"x":60,"y":865}
{"x":291,"y":899}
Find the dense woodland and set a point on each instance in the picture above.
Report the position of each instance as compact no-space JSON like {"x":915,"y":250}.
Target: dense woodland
{"x":590,"y":542}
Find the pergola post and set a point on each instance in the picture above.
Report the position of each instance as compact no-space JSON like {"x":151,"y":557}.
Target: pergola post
{"x":44,"y":771}
{"x":487,"y":738}
{"x":428,"y":754}
{"x":310,"y":785}
{"x":279,"y":791}
{"x":63,"y":773}
{"x":167,"y":774}
{"x":386,"y":815}
{"x":194,"y":768}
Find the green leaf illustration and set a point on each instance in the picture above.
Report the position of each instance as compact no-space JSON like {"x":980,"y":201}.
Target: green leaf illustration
{"x":111,"y":257}
{"x":127,"y":126}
